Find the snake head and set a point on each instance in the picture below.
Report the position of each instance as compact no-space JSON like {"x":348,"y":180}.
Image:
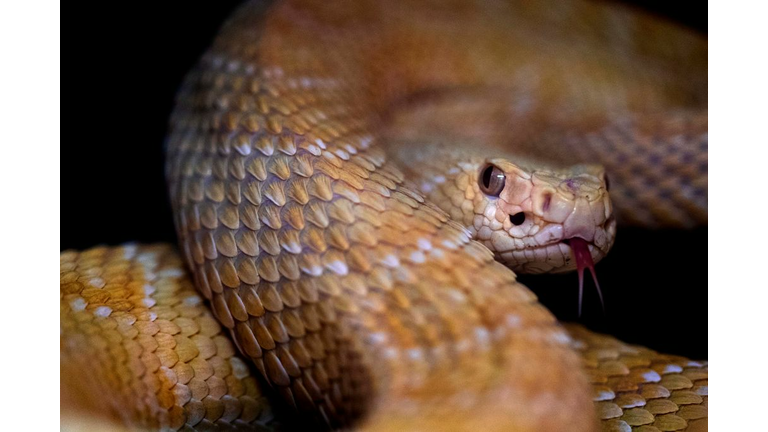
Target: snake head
{"x":529,"y":213}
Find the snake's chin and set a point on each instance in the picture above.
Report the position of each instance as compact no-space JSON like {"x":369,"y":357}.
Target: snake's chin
{"x":555,"y":257}
{"x":550,"y":258}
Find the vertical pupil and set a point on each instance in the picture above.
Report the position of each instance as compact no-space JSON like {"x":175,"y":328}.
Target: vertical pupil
{"x":487,"y":176}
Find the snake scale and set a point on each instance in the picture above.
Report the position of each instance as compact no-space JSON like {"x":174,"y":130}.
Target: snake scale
{"x":329,"y":165}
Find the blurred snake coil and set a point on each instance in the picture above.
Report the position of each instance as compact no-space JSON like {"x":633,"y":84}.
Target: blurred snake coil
{"x":325,"y":163}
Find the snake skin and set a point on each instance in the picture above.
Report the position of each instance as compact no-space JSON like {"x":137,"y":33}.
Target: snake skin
{"x":657,"y":163}
{"x":140,"y":350}
{"x":358,"y":301}
{"x":139,"y":346}
{"x":635,"y":388}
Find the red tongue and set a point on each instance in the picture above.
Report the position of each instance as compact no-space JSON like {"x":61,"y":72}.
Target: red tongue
{"x":583,"y":258}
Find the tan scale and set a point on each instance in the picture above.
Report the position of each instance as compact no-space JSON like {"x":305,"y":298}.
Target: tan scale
{"x":631,"y":385}
{"x":141,"y":349}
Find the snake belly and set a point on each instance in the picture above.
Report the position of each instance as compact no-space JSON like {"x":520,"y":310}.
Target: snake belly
{"x":358,"y":301}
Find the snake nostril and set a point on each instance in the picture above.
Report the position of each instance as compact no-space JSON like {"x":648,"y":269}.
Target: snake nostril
{"x":517,"y":218}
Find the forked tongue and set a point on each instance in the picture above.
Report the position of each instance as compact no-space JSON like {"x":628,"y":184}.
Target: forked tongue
{"x":580,"y":250}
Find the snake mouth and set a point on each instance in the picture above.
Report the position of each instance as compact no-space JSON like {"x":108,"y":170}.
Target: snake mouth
{"x":583,"y":253}
{"x":550,"y":252}
{"x":577,"y":240}
{"x":554,"y":257}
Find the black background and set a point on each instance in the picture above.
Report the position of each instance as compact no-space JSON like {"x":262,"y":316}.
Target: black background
{"x":128,"y":62}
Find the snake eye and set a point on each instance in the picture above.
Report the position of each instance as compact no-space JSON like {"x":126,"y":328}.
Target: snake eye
{"x":607,"y":183}
{"x":491,"y":180}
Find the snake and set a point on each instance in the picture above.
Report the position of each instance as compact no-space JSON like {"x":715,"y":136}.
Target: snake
{"x":355,"y":186}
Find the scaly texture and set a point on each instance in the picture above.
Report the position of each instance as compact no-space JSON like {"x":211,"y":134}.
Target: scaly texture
{"x":140,"y":348}
{"x":635,"y":387}
{"x":359,"y":301}
{"x":131,"y":321}
{"x":655,"y":157}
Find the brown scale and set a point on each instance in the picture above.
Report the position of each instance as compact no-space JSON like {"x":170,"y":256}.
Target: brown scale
{"x":179,"y":371}
{"x":141,"y":349}
{"x":638,"y":389}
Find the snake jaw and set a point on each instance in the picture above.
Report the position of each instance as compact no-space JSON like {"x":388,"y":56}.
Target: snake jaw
{"x":545,"y":246}
{"x":555,"y":256}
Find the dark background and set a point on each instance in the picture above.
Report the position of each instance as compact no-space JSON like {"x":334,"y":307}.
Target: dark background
{"x":131,"y":62}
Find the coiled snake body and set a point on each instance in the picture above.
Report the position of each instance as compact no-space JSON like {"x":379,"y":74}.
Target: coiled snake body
{"x":329,"y":164}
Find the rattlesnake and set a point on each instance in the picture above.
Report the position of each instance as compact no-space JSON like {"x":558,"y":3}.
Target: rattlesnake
{"x":328,"y":165}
